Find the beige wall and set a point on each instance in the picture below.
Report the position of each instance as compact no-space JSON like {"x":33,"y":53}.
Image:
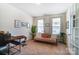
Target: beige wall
{"x":48,"y":19}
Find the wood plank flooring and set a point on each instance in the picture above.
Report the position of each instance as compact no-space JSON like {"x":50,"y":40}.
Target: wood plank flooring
{"x":39,"y":48}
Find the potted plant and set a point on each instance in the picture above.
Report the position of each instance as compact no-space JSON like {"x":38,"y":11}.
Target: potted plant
{"x":63,"y":37}
{"x":33,"y":31}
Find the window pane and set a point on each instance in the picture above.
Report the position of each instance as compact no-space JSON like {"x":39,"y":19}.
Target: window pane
{"x":55,"y":25}
{"x":56,"y":30}
{"x":40,"y":22}
{"x":40,"y":29}
{"x":40,"y":26}
{"x":56,"y":22}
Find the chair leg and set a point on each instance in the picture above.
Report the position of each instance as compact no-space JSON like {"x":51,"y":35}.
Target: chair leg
{"x":8,"y":49}
{"x":20,"y":48}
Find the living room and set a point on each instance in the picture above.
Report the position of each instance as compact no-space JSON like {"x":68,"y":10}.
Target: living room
{"x":45,"y":29}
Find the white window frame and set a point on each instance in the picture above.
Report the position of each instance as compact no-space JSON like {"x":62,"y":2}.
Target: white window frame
{"x":41,"y":30}
{"x":53,"y":25}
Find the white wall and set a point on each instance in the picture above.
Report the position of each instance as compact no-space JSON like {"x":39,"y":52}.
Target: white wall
{"x":70,"y":32}
{"x":8,"y":14}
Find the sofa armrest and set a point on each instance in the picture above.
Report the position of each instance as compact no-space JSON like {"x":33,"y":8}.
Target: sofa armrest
{"x":38,"y":35}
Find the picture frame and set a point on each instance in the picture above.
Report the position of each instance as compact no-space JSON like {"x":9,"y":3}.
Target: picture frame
{"x":25,"y":24}
{"x":17,"y":23}
{"x":73,"y":23}
{"x":28,"y":25}
{"x":74,"y":20}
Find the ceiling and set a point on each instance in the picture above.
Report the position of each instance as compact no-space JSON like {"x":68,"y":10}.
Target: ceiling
{"x":42,"y":8}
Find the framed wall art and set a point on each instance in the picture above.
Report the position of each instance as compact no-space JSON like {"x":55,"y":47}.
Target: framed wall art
{"x":25,"y":24}
{"x":17,"y":23}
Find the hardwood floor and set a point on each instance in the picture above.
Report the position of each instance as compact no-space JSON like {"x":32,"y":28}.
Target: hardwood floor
{"x":39,"y":48}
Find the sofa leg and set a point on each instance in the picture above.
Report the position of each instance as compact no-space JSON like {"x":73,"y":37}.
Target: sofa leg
{"x":56,"y":42}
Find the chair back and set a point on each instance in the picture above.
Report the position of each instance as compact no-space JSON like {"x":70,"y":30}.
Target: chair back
{"x":4,"y":37}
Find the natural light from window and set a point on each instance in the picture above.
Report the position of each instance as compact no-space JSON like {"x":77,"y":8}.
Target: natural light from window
{"x":40,"y":26}
{"x":56,"y":26}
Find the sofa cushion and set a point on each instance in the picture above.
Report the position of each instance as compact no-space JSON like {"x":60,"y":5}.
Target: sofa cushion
{"x":46,"y":38}
{"x":44,"y":35}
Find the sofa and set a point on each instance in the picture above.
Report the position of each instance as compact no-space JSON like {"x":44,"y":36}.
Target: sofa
{"x":44,"y":37}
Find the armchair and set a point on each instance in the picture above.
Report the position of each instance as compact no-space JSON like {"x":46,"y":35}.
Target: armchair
{"x":3,"y":43}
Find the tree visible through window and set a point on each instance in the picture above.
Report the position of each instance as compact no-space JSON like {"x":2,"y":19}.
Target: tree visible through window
{"x":56,"y":26}
{"x":40,"y":26}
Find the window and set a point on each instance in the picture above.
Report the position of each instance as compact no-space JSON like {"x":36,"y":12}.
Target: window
{"x":56,"y":26}
{"x":40,"y":26}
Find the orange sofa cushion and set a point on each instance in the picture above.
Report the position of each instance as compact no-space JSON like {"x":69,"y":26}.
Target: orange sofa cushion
{"x":45,"y":35}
